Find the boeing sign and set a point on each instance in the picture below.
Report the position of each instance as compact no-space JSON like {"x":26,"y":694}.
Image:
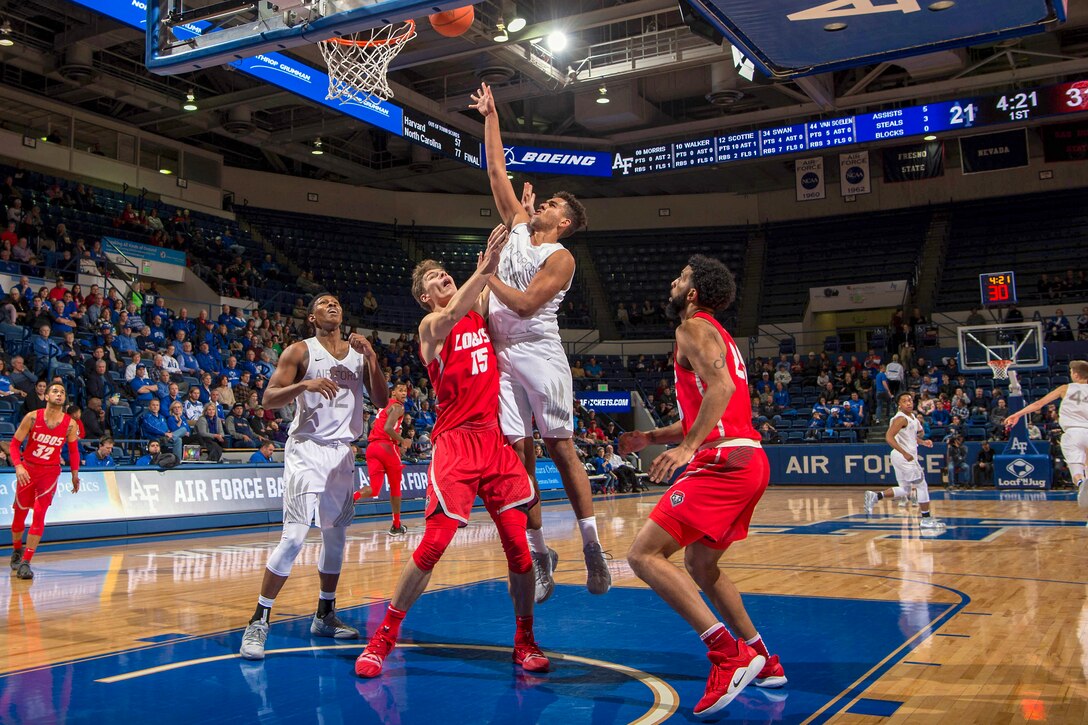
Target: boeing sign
{"x":526,"y":160}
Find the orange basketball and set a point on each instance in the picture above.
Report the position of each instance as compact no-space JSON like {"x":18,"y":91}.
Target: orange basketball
{"x":452,"y":23}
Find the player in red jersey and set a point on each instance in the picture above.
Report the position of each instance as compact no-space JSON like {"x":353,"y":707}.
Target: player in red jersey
{"x":383,"y":455}
{"x":711,"y":504}
{"x":45,"y":432}
{"x":470,"y":457}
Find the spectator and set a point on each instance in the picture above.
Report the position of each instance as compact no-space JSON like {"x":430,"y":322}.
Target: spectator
{"x":984,"y":465}
{"x":956,"y":455}
{"x":607,"y":482}
{"x":997,"y":420}
{"x":209,"y":430}
{"x":151,"y":458}
{"x":193,"y":406}
{"x":1033,"y":431}
{"x":370,"y":304}
{"x":101,"y":458}
{"x":239,"y":430}
{"x":593,"y":369}
{"x":884,"y":399}
{"x":975,"y":318}
{"x":226,"y":392}
{"x":263,"y":454}
{"x":35,"y":400}
{"x":187,"y":362}
{"x":1058,"y":328}
{"x":43,"y":350}
{"x":94,"y":419}
{"x":98,"y":383}
{"x":143,"y":387}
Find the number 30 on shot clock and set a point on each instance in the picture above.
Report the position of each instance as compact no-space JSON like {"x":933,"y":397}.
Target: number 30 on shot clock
{"x":998,"y":288}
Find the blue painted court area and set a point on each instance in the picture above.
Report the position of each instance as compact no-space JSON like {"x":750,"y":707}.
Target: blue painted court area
{"x":460,"y":671}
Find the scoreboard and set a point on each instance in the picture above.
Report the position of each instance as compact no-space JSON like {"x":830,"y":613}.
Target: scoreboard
{"x":997,"y":288}
{"x":965,"y":113}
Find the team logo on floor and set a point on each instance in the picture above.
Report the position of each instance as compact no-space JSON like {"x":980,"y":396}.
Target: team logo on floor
{"x":676,"y":498}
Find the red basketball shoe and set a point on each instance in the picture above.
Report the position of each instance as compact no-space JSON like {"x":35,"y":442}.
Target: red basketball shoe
{"x":729,"y":674}
{"x":772,"y":675}
{"x":369,"y":663}
{"x":529,"y":656}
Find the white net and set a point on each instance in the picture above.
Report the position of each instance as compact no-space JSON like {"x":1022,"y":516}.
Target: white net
{"x":359,"y":62}
{"x":1000,"y":368}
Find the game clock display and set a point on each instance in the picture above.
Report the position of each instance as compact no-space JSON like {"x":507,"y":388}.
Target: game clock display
{"x":998,"y":288}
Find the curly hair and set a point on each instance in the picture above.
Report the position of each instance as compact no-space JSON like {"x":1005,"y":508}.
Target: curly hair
{"x":574,"y":211}
{"x":418,"y":274}
{"x":712,"y":281}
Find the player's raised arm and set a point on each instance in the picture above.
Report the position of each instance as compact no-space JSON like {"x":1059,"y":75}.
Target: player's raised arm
{"x":893,"y":430}
{"x":437,"y":325}
{"x":554,"y":276}
{"x":286,"y":382}
{"x":510,"y":207}
{"x":1058,"y":392}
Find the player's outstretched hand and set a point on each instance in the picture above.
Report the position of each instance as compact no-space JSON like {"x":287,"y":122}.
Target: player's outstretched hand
{"x":75,"y":483}
{"x":528,"y":199}
{"x":1010,"y":421}
{"x":483,"y":101}
{"x":633,"y":442}
{"x":360,"y":344}
{"x":665,"y":465}
{"x":488,"y":260}
{"x":927,"y":444}
{"x":22,"y":477}
{"x":326,"y":387}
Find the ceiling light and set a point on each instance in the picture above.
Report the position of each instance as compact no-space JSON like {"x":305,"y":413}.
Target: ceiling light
{"x":930,"y":137}
{"x":835,"y":27}
{"x":510,"y":175}
{"x":557,"y":41}
{"x":518,"y":23}
{"x":603,"y":97}
{"x":5,"y":34}
{"x":317,"y":150}
{"x":165,"y":171}
{"x":941,"y":5}
{"x":190,"y":101}
{"x":500,"y":32}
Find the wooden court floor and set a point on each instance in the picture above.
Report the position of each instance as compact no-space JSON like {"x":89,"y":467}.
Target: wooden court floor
{"x":986,"y":623}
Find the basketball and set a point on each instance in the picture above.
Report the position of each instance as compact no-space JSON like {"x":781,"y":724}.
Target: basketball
{"x":452,"y":23}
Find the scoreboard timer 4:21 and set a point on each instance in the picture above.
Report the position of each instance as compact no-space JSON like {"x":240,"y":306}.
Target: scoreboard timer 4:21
{"x":998,"y":288}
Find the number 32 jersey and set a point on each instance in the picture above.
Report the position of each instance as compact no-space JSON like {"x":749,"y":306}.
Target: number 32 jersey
{"x":465,"y":377}
{"x":44,"y":444}
{"x":339,"y":420}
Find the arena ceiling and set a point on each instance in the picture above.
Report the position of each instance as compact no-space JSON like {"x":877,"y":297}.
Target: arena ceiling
{"x":667,"y":82}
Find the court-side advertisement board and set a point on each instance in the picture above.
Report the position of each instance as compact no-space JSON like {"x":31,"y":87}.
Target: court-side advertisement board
{"x":140,"y":493}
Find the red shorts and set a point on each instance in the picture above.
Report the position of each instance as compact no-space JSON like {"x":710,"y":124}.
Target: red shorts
{"x":713,"y":501}
{"x":468,"y":462}
{"x":37,"y":493}
{"x":383,"y":463}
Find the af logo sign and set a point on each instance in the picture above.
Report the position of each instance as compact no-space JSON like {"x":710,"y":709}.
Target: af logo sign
{"x":1020,"y":446}
{"x":1020,"y":468}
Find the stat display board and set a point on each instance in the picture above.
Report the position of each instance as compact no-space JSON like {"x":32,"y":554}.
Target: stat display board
{"x":931,"y":118}
{"x":997,"y":288}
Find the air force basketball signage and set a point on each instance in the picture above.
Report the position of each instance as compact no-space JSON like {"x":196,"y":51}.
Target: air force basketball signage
{"x":810,"y":179}
{"x":854,"y":177}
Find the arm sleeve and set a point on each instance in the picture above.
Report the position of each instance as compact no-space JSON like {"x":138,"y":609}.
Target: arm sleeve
{"x":73,"y":456}
{"x":15,"y":451}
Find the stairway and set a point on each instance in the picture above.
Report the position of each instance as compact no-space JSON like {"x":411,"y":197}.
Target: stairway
{"x":752,"y":285}
{"x":586,"y":271}
{"x":931,"y":263}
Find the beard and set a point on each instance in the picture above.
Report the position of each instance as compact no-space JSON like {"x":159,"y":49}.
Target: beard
{"x":675,"y":308}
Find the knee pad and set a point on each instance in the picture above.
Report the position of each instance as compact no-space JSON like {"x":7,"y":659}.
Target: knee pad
{"x":511,"y":526}
{"x":333,"y":540}
{"x":923,"y":490}
{"x":901,"y":491}
{"x":284,"y":555}
{"x":436,"y":537}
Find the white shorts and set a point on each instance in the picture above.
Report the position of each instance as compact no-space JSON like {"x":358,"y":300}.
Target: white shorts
{"x":534,"y":380}
{"x":906,"y":472}
{"x":1075,"y":446}
{"x":318,"y":483}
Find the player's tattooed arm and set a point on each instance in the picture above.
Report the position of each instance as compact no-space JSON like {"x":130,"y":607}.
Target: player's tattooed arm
{"x":720,"y":363}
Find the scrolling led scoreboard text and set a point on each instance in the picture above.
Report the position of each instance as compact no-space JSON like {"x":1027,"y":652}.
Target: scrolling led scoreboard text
{"x":930,"y":118}
{"x":998,"y":288}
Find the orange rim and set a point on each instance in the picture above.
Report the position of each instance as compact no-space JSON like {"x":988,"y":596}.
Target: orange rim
{"x":398,"y":38}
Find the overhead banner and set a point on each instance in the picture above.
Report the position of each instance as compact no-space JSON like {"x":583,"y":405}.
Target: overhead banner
{"x":605,"y":402}
{"x":150,"y":261}
{"x":525,"y":160}
{"x":810,"y":179}
{"x":866,"y":296}
{"x":1066,"y":142}
{"x":994,"y":151}
{"x":854,"y":175}
{"x":914,"y":162}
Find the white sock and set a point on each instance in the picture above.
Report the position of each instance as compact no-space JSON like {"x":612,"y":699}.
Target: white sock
{"x":753,"y":640}
{"x":266,"y":601}
{"x":713,"y":628}
{"x":588,"y":527}
{"x":536,"y":541}
{"x":327,"y":595}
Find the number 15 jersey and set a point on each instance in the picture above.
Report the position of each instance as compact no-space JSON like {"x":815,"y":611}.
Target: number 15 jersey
{"x":465,"y":377}
{"x":339,"y":420}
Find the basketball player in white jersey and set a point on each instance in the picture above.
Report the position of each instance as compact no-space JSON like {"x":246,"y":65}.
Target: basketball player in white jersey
{"x":1073,"y":418}
{"x":904,"y":434}
{"x":328,"y":378}
{"x":535,"y":272}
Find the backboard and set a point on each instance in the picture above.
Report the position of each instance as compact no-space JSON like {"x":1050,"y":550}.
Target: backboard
{"x":187,"y":36}
{"x":787,"y":38}
{"x":1020,"y":342}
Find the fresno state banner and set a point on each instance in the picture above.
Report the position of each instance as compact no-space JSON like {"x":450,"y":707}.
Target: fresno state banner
{"x":994,"y":151}
{"x":914,"y":162}
{"x":854,"y":177}
{"x":1065,"y":142}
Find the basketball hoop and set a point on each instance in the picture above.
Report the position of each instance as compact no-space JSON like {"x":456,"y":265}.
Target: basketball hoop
{"x":1000,"y":368}
{"x":359,"y":62}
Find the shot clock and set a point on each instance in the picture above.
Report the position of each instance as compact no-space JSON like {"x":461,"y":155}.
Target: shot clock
{"x":998,"y":288}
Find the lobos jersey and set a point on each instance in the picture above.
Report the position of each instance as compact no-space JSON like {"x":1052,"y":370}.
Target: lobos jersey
{"x":465,"y":377}
{"x":44,"y":444}
{"x":736,"y":421}
{"x":907,"y":438}
{"x":1073,"y":412}
{"x":339,"y":420}
{"x":518,"y":264}
{"x":377,"y":431}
